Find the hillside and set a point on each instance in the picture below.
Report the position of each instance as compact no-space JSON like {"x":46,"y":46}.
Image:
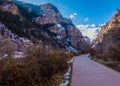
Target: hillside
{"x":107,"y":44}
{"x":43,"y":22}
{"x":50,"y":21}
{"x":16,"y":23}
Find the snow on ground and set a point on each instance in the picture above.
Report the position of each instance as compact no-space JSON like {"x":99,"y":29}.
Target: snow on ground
{"x":66,"y":83}
{"x":15,"y":54}
{"x":18,"y":54}
{"x":67,"y":75}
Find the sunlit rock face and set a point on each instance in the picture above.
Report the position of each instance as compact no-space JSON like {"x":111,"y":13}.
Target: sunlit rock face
{"x":75,"y":38}
{"x":109,"y":35}
{"x":50,"y":14}
{"x":66,"y":33}
{"x":69,"y":36}
{"x":8,"y":6}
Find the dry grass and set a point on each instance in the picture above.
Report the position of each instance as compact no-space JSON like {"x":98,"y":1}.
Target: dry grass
{"x":58,"y":78}
{"x":40,"y":67}
{"x":115,"y":65}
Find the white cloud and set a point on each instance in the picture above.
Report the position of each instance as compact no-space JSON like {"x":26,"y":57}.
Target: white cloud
{"x":93,"y":25}
{"x":82,"y":27}
{"x":90,"y":31}
{"x":87,"y":25}
{"x":73,"y":15}
{"x":101,"y":24}
{"x":86,"y":19}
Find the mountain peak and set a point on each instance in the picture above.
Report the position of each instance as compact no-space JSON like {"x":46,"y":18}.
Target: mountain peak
{"x":49,"y":6}
{"x":117,"y":13}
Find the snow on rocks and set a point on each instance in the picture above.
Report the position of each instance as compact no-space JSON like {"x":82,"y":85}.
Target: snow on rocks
{"x":58,"y":25}
{"x":61,"y":29}
{"x":15,"y":38}
{"x":19,"y":41}
{"x":1,"y":25}
{"x":59,"y":37}
{"x":70,"y":48}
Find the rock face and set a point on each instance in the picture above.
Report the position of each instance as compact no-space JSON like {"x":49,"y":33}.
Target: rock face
{"x":109,"y":35}
{"x":7,"y":6}
{"x":75,"y":38}
{"x":43,"y":22}
{"x":70,"y":37}
{"x":15,"y":22}
{"x":49,"y":14}
{"x":66,"y":33}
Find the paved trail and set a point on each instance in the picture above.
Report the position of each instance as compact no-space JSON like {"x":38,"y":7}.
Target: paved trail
{"x":89,"y":73}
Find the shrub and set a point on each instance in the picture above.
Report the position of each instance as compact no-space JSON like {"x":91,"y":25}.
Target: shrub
{"x":14,"y":74}
{"x":36,"y":69}
{"x":115,"y":53}
{"x":58,"y":61}
{"x":45,"y":64}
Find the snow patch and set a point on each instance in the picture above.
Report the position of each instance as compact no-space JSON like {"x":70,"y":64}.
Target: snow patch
{"x":18,"y":54}
{"x":15,"y":38}
{"x":65,"y":83}
{"x":59,"y":37}
{"x":58,"y":25}
{"x":61,"y":29}
{"x":70,"y":48}
{"x":71,"y":61}
{"x":67,"y":75}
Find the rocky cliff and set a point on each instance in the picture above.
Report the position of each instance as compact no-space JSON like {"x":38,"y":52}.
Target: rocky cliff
{"x":109,"y":36}
{"x":8,"y":6}
{"x":43,"y":22}
{"x":62,"y":29}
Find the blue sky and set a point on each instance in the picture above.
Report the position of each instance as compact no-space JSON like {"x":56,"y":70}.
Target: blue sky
{"x":86,"y":11}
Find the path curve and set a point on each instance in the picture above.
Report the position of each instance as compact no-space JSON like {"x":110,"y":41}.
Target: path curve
{"x":87,"y":72}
